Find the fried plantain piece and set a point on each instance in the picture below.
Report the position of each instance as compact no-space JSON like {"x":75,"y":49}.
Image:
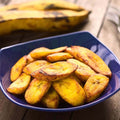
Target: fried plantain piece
{"x":55,"y":71}
{"x":51,"y":99}
{"x":16,"y":70}
{"x":41,"y":52}
{"x":58,"y":56}
{"x":30,"y":59}
{"x":83,"y":71}
{"x":36,"y":65}
{"x":90,"y":58}
{"x":70,"y":90}
{"x":36,"y":90}
{"x":94,"y":86}
{"x":20,"y":85}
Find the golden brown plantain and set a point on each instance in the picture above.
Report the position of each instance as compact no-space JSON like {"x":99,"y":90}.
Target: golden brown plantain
{"x":83,"y":71}
{"x":90,"y":58}
{"x":36,"y":65}
{"x":51,"y":99}
{"x":30,"y":59}
{"x":41,"y":52}
{"x":42,"y":5}
{"x":70,"y":90}
{"x":20,"y":85}
{"x":36,"y":90}
{"x":43,"y":21}
{"x":58,"y":56}
{"x":17,"y":68}
{"x":94,"y":86}
{"x":55,"y":71}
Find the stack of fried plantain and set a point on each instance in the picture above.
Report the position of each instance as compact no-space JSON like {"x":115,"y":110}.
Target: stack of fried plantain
{"x":50,"y":16}
{"x":75,"y":74}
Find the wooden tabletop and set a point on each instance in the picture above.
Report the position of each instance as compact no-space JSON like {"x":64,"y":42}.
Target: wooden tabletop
{"x":106,"y":31}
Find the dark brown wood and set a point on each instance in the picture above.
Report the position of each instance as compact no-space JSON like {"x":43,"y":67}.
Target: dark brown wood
{"x":100,"y":27}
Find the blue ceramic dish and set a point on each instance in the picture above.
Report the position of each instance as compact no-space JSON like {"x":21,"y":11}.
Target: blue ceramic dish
{"x":9,"y":55}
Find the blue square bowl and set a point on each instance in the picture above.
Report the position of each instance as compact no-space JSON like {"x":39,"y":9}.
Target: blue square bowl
{"x":9,"y":55}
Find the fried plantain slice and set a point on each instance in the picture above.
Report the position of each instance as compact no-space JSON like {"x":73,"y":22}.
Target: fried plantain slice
{"x":58,"y":56}
{"x":16,"y":70}
{"x":70,"y":90}
{"x":83,"y":71}
{"x":30,"y":59}
{"x":55,"y":71}
{"x":51,"y":99}
{"x":36,"y":90}
{"x":34,"y":66}
{"x":41,"y":52}
{"x":94,"y":86}
{"x":90,"y":58}
{"x":20,"y":85}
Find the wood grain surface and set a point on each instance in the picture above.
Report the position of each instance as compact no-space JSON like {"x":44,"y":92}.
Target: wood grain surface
{"x":107,"y":33}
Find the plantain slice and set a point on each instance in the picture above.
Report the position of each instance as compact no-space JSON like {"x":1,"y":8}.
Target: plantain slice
{"x":83,"y":71}
{"x":36,"y":90}
{"x":58,"y":56}
{"x":55,"y":71}
{"x":16,"y":70}
{"x":20,"y":85}
{"x":51,"y":99}
{"x":90,"y":58}
{"x":94,"y":86}
{"x":34,"y":66}
{"x":30,"y":59}
{"x":41,"y":52}
{"x":70,"y":90}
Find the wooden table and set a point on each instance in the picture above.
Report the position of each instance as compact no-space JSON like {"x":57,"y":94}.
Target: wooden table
{"x":106,"y":32}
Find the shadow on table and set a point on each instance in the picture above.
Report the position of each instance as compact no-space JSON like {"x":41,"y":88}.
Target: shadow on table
{"x":101,"y":111}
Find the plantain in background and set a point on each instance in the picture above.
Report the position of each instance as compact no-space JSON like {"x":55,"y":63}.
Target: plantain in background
{"x":45,"y":21}
{"x":42,"y":5}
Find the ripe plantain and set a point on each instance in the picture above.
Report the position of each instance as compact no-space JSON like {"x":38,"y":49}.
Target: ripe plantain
{"x":52,"y":21}
{"x":42,"y":5}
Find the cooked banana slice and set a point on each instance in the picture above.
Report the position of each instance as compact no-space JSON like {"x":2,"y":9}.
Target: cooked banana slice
{"x":36,"y":65}
{"x":36,"y":90}
{"x":41,"y":52}
{"x":58,"y":57}
{"x":83,"y":71}
{"x":55,"y":71}
{"x":94,"y":86}
{"x":30,"y":59}
{"x":51,"y":99}
{"x":70,"y":90}
{"x":16,"y":70}
{"x":20,"y":85}
{"x":90,"y":58}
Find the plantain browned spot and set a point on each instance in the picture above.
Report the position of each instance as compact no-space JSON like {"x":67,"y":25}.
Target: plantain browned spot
{"x":94,"y":86}
{"x":49,"y":7}
{"x":12,"y":9}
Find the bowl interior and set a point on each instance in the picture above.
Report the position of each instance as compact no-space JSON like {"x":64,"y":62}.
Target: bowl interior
{"x":9,"y":55}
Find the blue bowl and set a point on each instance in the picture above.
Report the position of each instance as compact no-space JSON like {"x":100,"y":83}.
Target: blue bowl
{"x":9,"y":55}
